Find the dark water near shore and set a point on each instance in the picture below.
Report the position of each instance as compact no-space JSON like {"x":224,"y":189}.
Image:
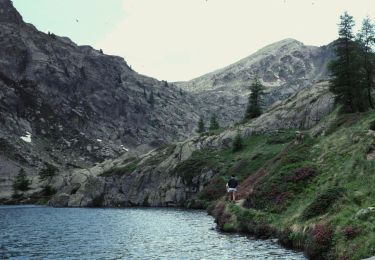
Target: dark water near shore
{"x":31,"y":232}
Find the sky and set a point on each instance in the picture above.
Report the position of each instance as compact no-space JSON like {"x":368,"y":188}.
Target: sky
{"x":178,"y":40}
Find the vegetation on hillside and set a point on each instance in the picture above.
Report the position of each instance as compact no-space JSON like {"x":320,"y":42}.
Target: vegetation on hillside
{"x":201,"y":127}
{"x":254,"y":108}
{"x":21,"y":182}
{"x":214,"y":124}
{"x":314,"y":193}
{"x":353,"y":69}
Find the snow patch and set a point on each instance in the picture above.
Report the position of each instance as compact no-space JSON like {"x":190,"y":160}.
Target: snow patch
{"x":26,"y":138}
{"x":124,"y":148}
{"x":99,"y":140}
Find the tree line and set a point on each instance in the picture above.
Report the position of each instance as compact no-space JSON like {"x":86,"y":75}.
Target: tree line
{"x":352,"y":71}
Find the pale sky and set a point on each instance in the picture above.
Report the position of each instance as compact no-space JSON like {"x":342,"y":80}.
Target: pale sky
{"x":179,"y":40}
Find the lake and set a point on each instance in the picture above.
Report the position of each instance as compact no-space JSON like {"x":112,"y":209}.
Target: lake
{"x":37,"y":232}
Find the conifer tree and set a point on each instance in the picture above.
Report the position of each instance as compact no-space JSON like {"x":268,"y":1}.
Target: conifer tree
{"x":253,"y":109}
{"x":346,"y":76}
{"x":366,"y":38}
{"x":237,"y":143}
{"x":201,"y":127}
{"x":21,"y":182}
{"x":214,"y":124}
{"x":47,"y":172}
{"x":151,"y":99}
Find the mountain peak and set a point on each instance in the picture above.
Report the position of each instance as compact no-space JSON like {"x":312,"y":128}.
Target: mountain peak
{"x":9,"y":14}
{"x":284,"y":42}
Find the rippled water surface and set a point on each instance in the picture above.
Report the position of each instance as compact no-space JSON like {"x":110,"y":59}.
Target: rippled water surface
{"x":31,"y":232}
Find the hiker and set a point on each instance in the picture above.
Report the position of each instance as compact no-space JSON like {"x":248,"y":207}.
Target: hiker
{"x":232,"y":187}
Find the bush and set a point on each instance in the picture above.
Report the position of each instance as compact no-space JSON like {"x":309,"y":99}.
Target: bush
{"x":121,"y":170}
{"x":214,"y":190}
{"x":322,"y":234}
{"x":48,"y":172}
{"x":319,"y":242}
{"x":229,"y":227}
{"x":237,"y":143}
{"x":302,"y":174}
{"x":21,"y":182}
{"x":199,"y":162}
{"x":372,"y":125}
{"x":48,"y":191}
{"x":350,"y":232}
{"x":322,"y":202}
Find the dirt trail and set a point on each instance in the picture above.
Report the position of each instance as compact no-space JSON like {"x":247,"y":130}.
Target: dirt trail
{"x":246,"y":187}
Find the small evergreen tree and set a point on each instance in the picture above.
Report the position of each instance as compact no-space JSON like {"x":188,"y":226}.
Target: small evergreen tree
{"x":253,"y":109}
{"x":21,"y":182}
{"x":237,"y":143}
{"x":151,"y":99}
{"x":214,"y":124}
{"x":201,"y":126}
{"x":47,"y":172}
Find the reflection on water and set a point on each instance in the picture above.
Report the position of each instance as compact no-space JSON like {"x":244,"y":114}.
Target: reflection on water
{"x":32,"y":232}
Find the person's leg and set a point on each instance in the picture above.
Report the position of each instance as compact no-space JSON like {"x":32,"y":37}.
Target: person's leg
{"x":234,"y":196}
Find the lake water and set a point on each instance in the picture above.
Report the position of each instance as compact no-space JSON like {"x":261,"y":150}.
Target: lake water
{"x":33,"y":232}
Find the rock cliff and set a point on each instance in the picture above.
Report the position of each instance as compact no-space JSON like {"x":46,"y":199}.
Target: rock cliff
{"x":73,"y":106}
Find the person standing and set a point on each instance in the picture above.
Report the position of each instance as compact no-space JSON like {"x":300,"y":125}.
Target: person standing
{"x":232,"y":187}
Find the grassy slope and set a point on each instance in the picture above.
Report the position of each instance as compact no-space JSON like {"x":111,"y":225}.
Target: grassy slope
{"x":311,"y":190}
{"x":256,"y":152}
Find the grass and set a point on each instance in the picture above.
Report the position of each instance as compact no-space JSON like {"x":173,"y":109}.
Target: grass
{"x":312,"y":189}
{"x":256,"y":151}
{"x":117,"y":171}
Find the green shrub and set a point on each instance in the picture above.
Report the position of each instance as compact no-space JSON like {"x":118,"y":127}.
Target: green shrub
{"x":120,"y":171}
{"x":229,"y":227}
{"x":237,"y":143}
{"x":21,"y":182}
{"x":342,"y":120}
{"x":214,"y":190}
{"x":322,"y":202}
{"x":287,"y":178}
{"x":48,"y":172}
{"x":48,"y":191}
{"x":195,"y":165}
{"x":372,"y":125}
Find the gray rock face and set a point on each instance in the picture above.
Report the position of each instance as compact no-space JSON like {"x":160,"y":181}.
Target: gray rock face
{"x":8,"y":14}
{"x":365,"y":213}
{"x":284,"y":68}
{"x":73,"y":106}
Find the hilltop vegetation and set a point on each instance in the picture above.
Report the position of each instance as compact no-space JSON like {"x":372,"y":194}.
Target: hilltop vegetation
{"x":317,"y":194}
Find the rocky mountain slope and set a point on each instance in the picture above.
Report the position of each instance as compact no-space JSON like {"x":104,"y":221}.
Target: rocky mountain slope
{"x":174,"y":175}
{"x":284,"y":68}
{"x":72,"y":106}
{"x":311,"y":188}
